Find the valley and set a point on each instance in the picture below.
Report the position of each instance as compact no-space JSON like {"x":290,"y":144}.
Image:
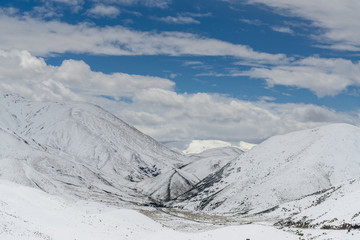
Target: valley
{"x":77,"y":168}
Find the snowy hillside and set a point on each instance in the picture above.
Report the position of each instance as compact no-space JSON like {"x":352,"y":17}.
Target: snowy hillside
{"x":30,"y":214}
{"x":35,"y":215}
{"x":170,"y":185}
{"x":28,"y":163}
{"x":76,"y":146}
{"x":334,"y":208}
{"x":279,"y":170}
{"x":94,"y":160}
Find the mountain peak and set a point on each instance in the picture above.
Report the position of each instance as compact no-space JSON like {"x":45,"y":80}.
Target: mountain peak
{"x":199,"y":146}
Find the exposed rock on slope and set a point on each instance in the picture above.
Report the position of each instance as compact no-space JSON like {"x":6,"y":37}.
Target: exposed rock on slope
{"x":174,"y":183}
{"x":334,"y":208}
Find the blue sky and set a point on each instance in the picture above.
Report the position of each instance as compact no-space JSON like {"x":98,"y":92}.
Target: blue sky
{"x":180,"y":70}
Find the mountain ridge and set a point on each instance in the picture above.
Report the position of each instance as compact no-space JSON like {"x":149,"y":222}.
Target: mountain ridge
{"x":76,"y":148}
{"x":262,"y":178}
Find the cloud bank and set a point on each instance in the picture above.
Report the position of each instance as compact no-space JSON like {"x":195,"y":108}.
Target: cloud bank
{"x":154,"y":107}
{"x":31,"y":77}
{"x":46,"y":37}
{"x":323,"y":76}
{"x":338,"y":19}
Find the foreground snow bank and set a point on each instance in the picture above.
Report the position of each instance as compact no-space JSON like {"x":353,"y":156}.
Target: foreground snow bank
{"x":27,"y":213}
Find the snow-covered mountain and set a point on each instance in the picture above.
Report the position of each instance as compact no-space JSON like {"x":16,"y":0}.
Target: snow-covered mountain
{"x":245,"y":146}
{"x":177,"y":181}
{"x":53,"y":145}
{"x":79,"y":150}
{"x":280,"y":170}
{"x":199,"y":146}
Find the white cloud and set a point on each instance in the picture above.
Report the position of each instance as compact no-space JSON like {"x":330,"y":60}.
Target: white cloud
{"x":154,"y":107}
{"x":198,"y":15}
{"x":43,"y":38}
{"x":9,"y":11}
{"x":282,"y":29}
{"x":102,"y":10}
{"x":342,"y":47}
{"x":44,"y":12}
{"x":75,"y":5}
{"x":255,"y":22}
{"x":267,"y":98}
{"x":191,"y":63}
{"x":69,"y":2}
{"x":183,"y":18}
{"x":199,"y":65}
{"x":147,"y":3}
{"x":210,"y":116}
{"x":178,"y":20}
{"x":340,"y":19}
{"x":323,"y":76}
{"x":31,"y":77}
{"x":174,"y":75}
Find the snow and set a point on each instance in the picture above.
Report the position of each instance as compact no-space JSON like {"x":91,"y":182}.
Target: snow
{"x":210,"y":161}
{"x":332,"y":208}
{"x":68,"y":170}
{"x":171,"y":184}
{"x":77,"y":149}
{"x":27,"y":213}
{"x":245,"y":146}
{"x":282,"y":169}
{"x":87,"y":133}
{"x":199,"y":146}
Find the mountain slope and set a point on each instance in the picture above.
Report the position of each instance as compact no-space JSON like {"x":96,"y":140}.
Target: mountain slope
{"x":281,"y":169}
{"x":26,"y":162}
{"x":172,"y":184}
{"x":89,"y":133}
{"x":79,"y":150}
{"x":334,"y":208}
{"x":76,"y":148}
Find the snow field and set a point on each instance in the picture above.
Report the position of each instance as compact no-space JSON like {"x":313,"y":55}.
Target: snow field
{"x":30,"y":214}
